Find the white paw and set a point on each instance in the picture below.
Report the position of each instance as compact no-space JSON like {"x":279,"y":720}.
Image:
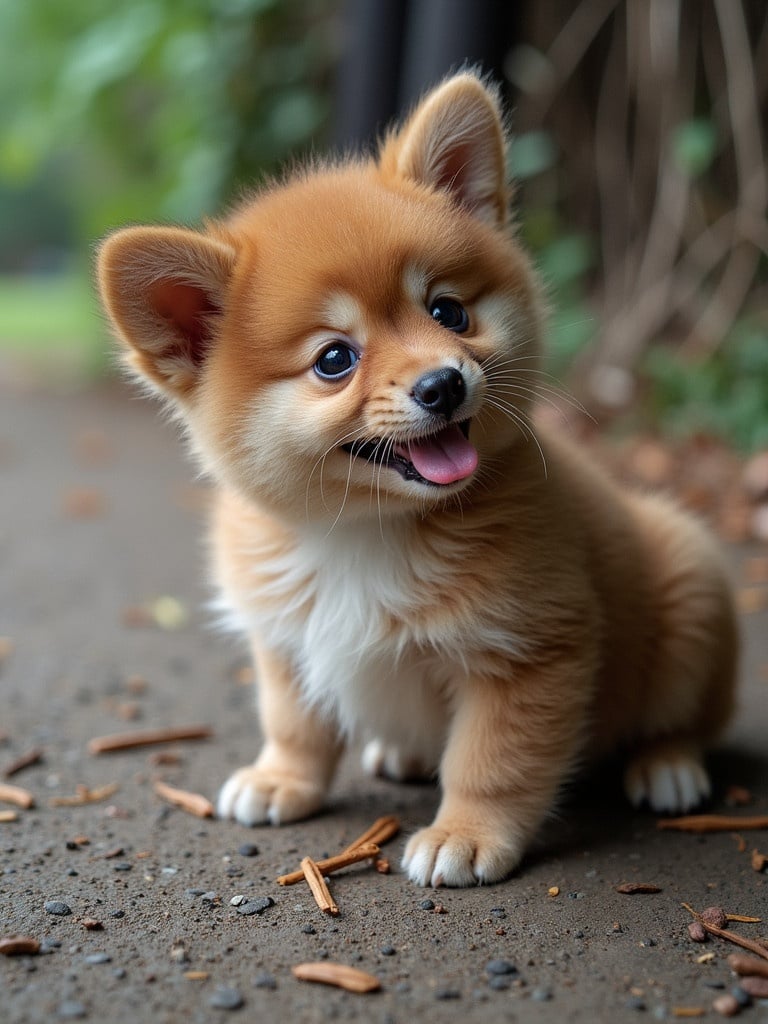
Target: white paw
{"x":670,"y":785}
{"x":254,"y":796}
{"x":436,"y":856}
{"x":391,"y":762}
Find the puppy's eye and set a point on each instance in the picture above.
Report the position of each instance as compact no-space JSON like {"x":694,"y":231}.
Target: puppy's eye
{"x":450,"y":314}
{"x":337,"y":361}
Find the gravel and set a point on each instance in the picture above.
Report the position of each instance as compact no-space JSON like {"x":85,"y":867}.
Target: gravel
{"x":98,"y":958}
{"x":500,"y":967}
{"x":255,"y":906}
{"x":248,"y":850}
{"x":71,"y":1009}
{"x":226,"y":998}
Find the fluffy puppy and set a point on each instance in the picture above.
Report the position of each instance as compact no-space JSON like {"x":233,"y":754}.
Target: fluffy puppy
{"x":354,"y":355}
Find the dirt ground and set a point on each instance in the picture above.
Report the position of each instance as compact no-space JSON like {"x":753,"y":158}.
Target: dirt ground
{"x":102,"y":611}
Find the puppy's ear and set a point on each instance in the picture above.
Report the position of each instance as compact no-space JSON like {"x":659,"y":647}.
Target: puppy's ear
{"x":164,"y":289}
{"x":454,"y":141}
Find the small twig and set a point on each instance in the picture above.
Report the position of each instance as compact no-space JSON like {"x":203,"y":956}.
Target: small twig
{"x":379,"y":833}
{"x":711,"y":823}
{"x":84,"y":795}
{"x":194,"y":803}
{"x":331,"y":864}
{"x":23,"y":761}
{"x":725,"y":933}
{"x":147,"y":737}
{"x":320,"y":890}
{"x":16,"y":795}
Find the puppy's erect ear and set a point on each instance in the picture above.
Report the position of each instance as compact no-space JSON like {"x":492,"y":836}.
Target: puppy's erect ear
{"x":454,"y":140}
{"x":163,"y":289}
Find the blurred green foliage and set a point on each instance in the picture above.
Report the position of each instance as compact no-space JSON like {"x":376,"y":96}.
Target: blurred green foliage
{"x":157,"y":109}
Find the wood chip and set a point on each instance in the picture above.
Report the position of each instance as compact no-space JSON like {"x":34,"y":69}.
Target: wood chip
{"x":382,"y":865}
{"x":19,"y":945}
{"x":330,"y":864}
{"x":741,"y":842}
{"x":147,"y":737}
{"x":196,"y":975}
{"x":633,"y":888}
{"x":759,"y":861}
{"x":193,"y":803}
{"x":688,"y":1011}
{"x":91,"y":924}
{"x":16,"y":795}
{"x":748,"y":965}
{"x":25,"y":760}
{"x":319,"y":889}
{"x":6,"y":816}
{"x":326,"y":973}
{"x":553,"y":890}
{"x":712,"y":823}
{"x":85,"y":795}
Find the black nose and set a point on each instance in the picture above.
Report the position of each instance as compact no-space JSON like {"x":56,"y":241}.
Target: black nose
{"x":440,"y":391}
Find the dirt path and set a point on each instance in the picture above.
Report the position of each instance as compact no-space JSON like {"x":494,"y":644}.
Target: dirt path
{"x":100,"y":518}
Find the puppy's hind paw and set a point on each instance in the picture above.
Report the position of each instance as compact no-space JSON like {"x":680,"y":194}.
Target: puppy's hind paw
{"x":671,"y":783}
{"x":391,"y":762}
{"x":255,"y":796}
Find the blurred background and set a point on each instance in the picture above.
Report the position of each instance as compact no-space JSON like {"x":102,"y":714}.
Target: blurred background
{"x":639,"y":152}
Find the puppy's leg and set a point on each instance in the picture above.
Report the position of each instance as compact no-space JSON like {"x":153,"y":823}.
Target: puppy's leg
{"x":291,"y":776}
{"x":669,"y":774}
{"x":511,"y":744}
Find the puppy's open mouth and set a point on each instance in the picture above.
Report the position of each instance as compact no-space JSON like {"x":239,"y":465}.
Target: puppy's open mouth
{"x":438,"y":459}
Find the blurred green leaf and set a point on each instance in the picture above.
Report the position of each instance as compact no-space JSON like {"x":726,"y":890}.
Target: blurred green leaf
{"x":530,"y":154}
{"x":694,"y":144}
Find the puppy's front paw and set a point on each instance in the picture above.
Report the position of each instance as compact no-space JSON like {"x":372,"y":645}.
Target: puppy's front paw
{"x":255,"y":796}
{"x":457,"y":857}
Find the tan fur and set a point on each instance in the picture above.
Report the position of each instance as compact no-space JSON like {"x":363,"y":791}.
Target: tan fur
{"x":500,"y":628}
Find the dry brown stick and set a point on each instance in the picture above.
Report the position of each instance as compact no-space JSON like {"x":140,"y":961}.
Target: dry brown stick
{"x":380,"y":831}
{"x":349,"y":978}
{"x":146,"y":737}
{"x":331,"y":864}
{"x":16,"y":795}
{"x":194,"y":803}
{"x":725,"y":933}
{"x":748,"y":965}
{"x":712,"y":823}
{"x":320,"y":890}
{"x":23,"y":761}
{"x":84,"y":796}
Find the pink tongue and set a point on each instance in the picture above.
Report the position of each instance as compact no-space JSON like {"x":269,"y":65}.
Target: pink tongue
{"x":443,"y":458}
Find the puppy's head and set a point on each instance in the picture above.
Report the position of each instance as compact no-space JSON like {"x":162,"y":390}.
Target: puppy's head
{"x":351,"y":339}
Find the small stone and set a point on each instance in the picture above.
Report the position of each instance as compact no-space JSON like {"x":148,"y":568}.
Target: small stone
{"x":727,"y":1005}
{"x":742,"y":997}
{"x":647,"y":943}
{"x":209,"y":897}
{"x":98,"y":958}
{"x":265,"y":980}
{"x":756,"y":986}
{"x":447,"y":993}
{"x":237,"y":900}
{"x":58,"y":908}
{"x":255,"y":906}
{"x":427,"y":905}
{"x":118,"y":914}
{"x":499,"y":982}
{"x":122,"y":865}
{"x":248,"y":850}
{"x":226,"y":998}
{"x":309,"y":929}
{"x":500,"y":967}
{"x":635,"y":1003}
{"x":541,"y":995}
{"x":697,"y":931}
{"x":388,"y":950}
{"x":119,"y":972}
{"x":71,"y":1009}
{"x":194,"y":892}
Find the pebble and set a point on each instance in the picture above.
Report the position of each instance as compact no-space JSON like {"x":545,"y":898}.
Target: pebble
{"x":742,"y":997}
{"x":541,"y":995}
{"x":209,"y":897}
{"x":226,"y":998}
{"x":248,"y":850}
{"x":58,"y":908}
{"x":726,"y":1005}
{"x":635,"y":1003}
{"x":71,"y":1009}
{"x":122,"y":865}
{"x":194,"y":892}
{"x":309,"y":929}
{"x":499,"y":982}
{"x":237,"y":900}
{"x":388,"y":950}
{"x":500,"y":967}
{"x":98,"y":958}
{"x":265,"y":980}
{"x":646,"y":943}
{"x":119,"y":973}
{"x":256,"y":906}
{"x":427,"y":905}
{"x":118,"y":914}
{"x":447,"y":993}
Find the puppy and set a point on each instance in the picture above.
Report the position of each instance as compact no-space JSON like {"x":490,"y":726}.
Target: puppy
{"x":353,"y":353}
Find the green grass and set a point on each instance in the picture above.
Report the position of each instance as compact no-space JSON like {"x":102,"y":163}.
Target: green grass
{"x":52,"y":324}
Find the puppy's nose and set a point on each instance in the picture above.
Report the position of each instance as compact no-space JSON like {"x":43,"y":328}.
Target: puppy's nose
{"x":440,"y":391}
